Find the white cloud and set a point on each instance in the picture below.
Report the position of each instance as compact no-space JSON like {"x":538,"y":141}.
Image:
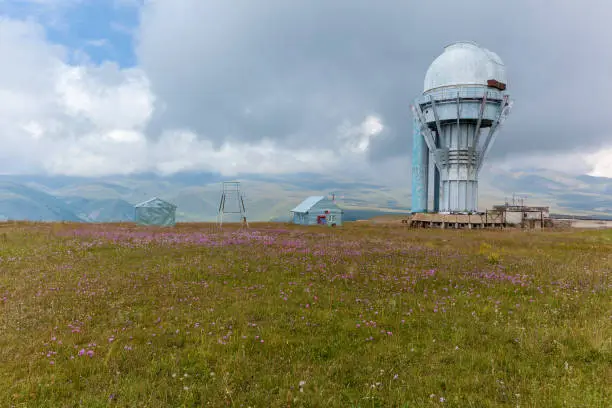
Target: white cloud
{"x":601,"y":163}
{"x":184,"y":151}
{"x":87,"y":119}
{"x":571,"y":163}
{"x":598,"y":163}
{"x":91,"y":120}
{"x":106,"y":96}
{"x":357,"y":138}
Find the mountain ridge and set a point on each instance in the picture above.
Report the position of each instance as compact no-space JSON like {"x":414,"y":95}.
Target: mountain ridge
{"x":270,"y":198}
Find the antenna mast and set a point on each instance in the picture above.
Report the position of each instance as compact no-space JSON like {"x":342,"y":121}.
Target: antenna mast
{"x":230,"y":192}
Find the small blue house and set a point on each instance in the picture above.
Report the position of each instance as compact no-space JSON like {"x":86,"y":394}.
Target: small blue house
{"x":317,"y":210}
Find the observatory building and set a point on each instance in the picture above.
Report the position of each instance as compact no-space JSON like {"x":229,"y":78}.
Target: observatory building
{"x":456,"y":120}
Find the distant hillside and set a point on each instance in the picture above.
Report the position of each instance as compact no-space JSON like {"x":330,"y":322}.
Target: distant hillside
{"x":581,"y":195}
{"x":270,"y":198}
{"x":24,"y":203}
{"x":109,"y":210}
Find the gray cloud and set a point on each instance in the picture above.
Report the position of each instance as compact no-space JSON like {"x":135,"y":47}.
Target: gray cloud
{"x":291,"y":71}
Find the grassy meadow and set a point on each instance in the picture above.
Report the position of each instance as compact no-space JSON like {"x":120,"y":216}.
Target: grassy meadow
{"x":285,"y":316}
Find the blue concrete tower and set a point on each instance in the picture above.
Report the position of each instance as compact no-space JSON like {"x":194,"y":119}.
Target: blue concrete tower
{"x":464,"y":97}
{"x":420,"y":170}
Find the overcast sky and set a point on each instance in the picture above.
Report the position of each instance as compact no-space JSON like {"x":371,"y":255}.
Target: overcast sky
{"x":273,"y":86}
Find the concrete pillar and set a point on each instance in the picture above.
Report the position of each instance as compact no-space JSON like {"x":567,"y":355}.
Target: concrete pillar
{"x":436,"y":187}
{"x":420,"y":170}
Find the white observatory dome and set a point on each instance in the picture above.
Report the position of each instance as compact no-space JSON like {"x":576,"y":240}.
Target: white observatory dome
{"x":464,"y":63}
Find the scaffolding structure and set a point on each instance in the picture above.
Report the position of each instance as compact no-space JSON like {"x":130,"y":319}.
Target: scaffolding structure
{"x":230,"y":193}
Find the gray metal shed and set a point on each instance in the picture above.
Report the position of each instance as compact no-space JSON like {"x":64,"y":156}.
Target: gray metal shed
{"x":155,"y":211}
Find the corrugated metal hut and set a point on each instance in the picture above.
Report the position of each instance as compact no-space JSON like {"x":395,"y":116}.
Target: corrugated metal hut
{"x":155,"y":211}
{"x":317,"y":210}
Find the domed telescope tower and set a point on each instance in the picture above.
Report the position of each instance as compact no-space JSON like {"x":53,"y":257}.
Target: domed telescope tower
{"x":456,"y":120}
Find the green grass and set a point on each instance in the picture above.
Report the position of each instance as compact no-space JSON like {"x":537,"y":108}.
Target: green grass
{"x":284,"y":316}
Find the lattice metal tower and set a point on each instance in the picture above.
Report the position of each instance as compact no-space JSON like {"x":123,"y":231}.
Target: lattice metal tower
{"x":464,"y":95}
{"x":230,"y":193}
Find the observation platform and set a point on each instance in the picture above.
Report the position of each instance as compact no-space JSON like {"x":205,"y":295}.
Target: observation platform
{"x":489,"y":219}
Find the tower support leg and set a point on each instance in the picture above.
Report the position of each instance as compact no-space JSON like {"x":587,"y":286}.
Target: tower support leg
{"x":436,"y":202}
{"x":420,"y":170}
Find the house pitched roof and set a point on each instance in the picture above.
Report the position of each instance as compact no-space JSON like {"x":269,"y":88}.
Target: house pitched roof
{"x":154,"y":200}
{"x":307,"y":204}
